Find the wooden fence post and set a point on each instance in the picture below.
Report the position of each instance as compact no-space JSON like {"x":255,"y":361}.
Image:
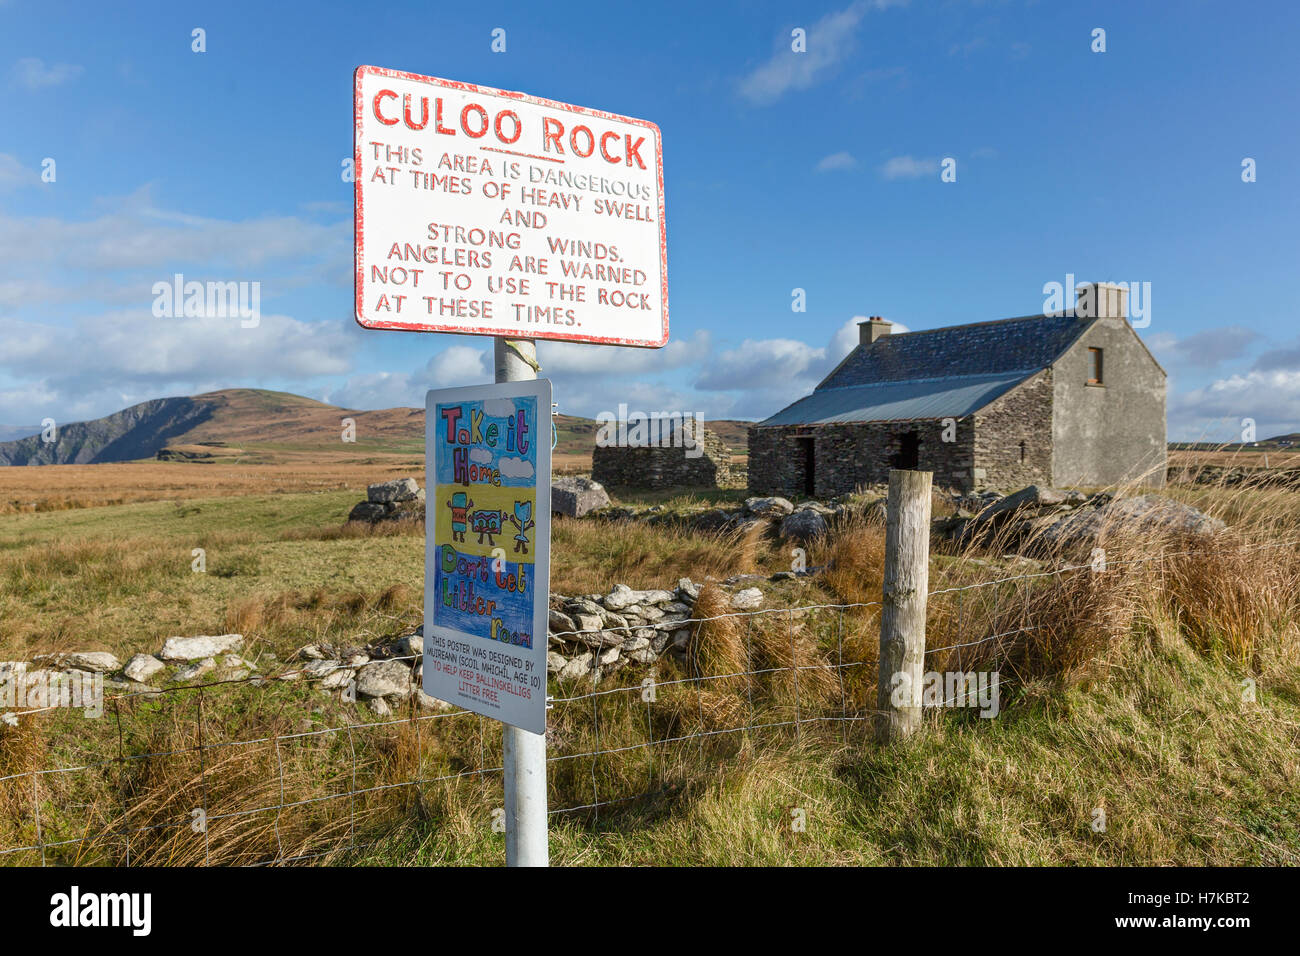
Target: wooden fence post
{"x":902,"y":614}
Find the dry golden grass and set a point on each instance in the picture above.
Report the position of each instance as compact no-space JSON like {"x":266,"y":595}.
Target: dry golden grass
{"x":60,"y":487}
{"x":1246,"y":458}
{"x":589,"y":556}
{"x":1100,"y":671}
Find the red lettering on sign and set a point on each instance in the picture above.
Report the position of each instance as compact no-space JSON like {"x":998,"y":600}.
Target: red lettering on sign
{"x":424,"y":111}
{"x":519,"y":128}
{"x":552,"y":130}
{"x":464,"y":119}
{"x":632,"y":150}
{"x":591,"y":141}
{"x":380,"y":116}
{"x":604,"y":151}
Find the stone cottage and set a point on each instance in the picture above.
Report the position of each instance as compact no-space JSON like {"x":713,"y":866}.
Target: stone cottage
{"x":664,"y":452}
{"x":1068,"y":400}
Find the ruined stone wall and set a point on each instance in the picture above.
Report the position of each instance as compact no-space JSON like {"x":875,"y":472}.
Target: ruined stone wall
{"x":664,"y":467}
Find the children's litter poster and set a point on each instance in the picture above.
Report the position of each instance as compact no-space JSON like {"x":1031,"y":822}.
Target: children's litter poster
{"x":487,"y":554}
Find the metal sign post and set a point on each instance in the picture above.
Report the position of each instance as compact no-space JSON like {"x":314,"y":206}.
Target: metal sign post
{"x":515,"y":360}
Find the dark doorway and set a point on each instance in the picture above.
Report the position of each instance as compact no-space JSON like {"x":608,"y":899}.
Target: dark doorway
{"x":909,"y":451}
{"x":806,"y":455}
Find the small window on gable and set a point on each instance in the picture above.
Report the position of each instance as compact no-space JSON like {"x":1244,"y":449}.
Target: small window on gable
{"x":1095,"y":370}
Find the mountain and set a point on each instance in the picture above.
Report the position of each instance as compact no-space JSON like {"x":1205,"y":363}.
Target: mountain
{"x":135,"y":432}
{"x":256,"y":426}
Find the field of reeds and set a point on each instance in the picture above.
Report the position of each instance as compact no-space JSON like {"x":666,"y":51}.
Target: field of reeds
{"x":1163,"y":692}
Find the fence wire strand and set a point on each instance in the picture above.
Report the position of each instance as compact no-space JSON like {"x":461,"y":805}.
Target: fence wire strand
{"x":841,"y":710}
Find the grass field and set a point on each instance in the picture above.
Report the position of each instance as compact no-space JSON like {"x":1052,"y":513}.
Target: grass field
{"x":1128,"y":698}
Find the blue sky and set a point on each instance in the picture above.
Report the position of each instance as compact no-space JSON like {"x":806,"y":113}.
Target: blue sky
{"x":783,"y":170}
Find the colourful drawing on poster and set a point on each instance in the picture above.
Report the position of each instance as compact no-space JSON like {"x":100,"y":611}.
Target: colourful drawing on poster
{"x":486,"y":488}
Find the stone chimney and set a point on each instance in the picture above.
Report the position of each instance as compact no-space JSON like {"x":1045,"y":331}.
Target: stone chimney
{"x":1104,"y":300}
{"x":873,"y":329}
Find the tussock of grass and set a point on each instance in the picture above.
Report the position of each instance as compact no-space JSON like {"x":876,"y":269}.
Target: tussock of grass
{"x":590,"y":556}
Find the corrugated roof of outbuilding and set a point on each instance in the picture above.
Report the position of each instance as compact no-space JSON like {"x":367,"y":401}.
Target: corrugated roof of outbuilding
{"x":952,"y":396}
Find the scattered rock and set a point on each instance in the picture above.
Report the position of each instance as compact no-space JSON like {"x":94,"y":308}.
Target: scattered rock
{"x":1031,"y":496}
{"x":386,"y":492}
{"x":747,"y":600}
{"x":135,"y":688}
{"x":195,"y":648}
{"x":559,"y":621}
{"x":337,"y":678}
{"x":367,"y":511}
{"x":410,"y":645}
{"x":143,"y":666}
{"x":1036,"y":518}
{"x":315,"y":670}
{"x":432,"y":703}
{"x":622,"y":597}
{"x":768,"y":506}
{"x":1144,"y":514}
{"x":804,"y":525}
{"x":191,"y":672}
{"x":384,"y":679}
{"x":578,"y":667}
{"x":96,"y":662}
{"x":399,"y":500}
{"x":576,"y":496}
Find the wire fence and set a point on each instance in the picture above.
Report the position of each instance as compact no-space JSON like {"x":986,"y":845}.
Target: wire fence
{"x":238,"y":770}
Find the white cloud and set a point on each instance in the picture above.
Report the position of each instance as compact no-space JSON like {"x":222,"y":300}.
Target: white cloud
{"x":1204,"y":349}
{"x":135,"y":234}
{"x":829,"y":42}
{"x":13,"y":173}
{"x":751,"y":380}
{"x":1215,"y":411}
{"x":515,"y":468}
{"x":836,"y":162}
{"x":499,"y":408}
{"x":31,"y":73}
{"x":909,"y":167}
{"x":458,"y":365}
{"x":577,"y":358}
{"x":453,"y":366}
{"x":120,"y":355}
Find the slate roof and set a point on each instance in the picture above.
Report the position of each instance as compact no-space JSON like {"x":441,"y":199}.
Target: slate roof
{"x":982,"y":348}
{"x":936,"y":373}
